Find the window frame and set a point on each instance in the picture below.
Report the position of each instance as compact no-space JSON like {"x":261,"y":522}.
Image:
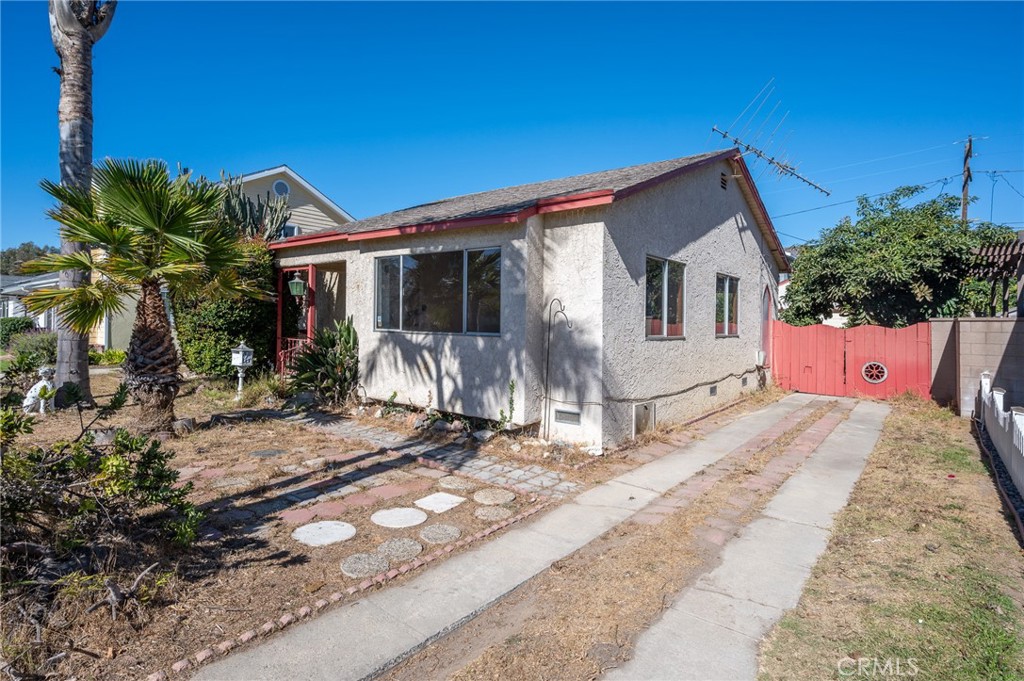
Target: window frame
{"x":729,"y":280}
{"x":465,"y":292}
{"x":663,"y":336}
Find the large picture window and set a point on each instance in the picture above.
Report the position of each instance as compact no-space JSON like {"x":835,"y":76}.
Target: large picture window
{"x":726,"y":306}
{"x":451,"y":292}
{"x":665,"y":304}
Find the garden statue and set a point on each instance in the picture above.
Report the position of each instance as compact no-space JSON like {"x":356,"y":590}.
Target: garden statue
{"x":36,"y":398}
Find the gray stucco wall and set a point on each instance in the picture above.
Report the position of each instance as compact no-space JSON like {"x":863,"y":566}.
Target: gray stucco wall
{"x":694,"y":221}
{"x":467,"y":374}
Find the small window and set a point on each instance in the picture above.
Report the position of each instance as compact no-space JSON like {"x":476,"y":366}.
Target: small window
{"x":449,"y":292}
{"x":726,"y":306}
{"x":665,"y":304}
{"x":281,"y":188}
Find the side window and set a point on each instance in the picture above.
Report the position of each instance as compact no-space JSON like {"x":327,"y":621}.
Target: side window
{"x":727,"y":305}
{"x":665,"y":298}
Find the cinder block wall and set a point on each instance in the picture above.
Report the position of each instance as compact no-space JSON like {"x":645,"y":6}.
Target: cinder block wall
{"x":987,"y":344}
{"x":944,"y":362}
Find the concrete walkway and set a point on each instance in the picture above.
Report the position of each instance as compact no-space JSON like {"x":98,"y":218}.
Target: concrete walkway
{"x":377,"y":632}
{"x":713,"y":629}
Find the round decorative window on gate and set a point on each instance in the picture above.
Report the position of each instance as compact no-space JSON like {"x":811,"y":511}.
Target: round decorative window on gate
{"x":874,"y":372}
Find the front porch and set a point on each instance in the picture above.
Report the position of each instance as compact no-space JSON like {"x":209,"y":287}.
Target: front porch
{"x":309,"y":298}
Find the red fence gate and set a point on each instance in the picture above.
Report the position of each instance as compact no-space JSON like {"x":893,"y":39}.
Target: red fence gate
{"x":865,"y":361}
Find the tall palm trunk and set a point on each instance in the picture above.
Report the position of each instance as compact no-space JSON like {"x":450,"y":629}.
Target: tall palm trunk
{"x":75,"y":27}
{"x":151,"y":368}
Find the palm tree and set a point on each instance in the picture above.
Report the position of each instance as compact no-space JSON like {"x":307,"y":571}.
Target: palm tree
{"x":75,"y":26}
{"x":145,"y":232}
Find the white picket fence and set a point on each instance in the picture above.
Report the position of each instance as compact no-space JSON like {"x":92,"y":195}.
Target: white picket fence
{"x":1005,"y":428}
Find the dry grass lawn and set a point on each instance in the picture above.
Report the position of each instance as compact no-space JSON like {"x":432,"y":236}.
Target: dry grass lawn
{"x":922,"y":576}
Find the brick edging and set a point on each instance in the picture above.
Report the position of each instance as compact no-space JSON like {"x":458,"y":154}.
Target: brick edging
{"x":288,"y":618}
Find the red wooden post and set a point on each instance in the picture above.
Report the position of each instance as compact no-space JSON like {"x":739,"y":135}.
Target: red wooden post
{"x":280,"y":317}
{"x":311,"y":295}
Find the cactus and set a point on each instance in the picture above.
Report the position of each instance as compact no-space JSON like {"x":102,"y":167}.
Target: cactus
{"x":264,"y":218}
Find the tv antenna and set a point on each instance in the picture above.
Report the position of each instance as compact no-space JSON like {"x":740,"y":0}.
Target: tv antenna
{"x":781,"y":166}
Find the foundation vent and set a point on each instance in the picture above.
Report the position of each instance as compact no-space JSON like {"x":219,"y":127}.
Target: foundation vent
{"x":644,"y":417}
{"x":743,"y":381}
{"x":570,"y":418}
{"x":713,"y":391}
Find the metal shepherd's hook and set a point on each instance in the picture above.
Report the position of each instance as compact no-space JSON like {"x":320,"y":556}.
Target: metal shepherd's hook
{"x":552,"y":315}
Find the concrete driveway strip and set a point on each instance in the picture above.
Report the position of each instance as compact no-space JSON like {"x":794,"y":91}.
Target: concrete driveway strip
{"x":713,"y":629}
{"x":360,"y":639}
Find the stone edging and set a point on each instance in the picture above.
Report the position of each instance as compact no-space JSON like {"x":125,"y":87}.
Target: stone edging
{"x":982,"y":438}
{"x":287,"y":618}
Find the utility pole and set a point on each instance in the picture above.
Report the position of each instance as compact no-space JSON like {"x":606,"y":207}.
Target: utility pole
{"x":968,"y":152}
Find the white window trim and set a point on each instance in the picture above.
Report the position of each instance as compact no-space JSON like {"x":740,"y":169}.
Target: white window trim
{"x":664,"y":297}
{"x":465,"y":293}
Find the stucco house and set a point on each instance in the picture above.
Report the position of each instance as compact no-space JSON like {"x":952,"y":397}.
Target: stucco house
{"x":609,"y":301}
{"x":13,"y":288}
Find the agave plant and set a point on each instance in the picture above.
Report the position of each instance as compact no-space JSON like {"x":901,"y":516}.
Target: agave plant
{"x":146,"y":232}
{"x":329,"y":364}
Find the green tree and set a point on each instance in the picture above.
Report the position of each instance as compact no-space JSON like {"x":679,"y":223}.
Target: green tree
{"x":896,"y":265}
{"x":153,"y":232}
{"x":11,"y":259}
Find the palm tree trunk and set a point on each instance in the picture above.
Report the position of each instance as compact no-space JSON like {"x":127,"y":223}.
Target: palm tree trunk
{"x":151,"y":368}
{"x":75,"y":27}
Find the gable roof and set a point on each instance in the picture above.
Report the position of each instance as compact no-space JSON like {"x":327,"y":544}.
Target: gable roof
{"x":514,"y":204}
{"x":21,"y":285}
{"x":302,"y":182}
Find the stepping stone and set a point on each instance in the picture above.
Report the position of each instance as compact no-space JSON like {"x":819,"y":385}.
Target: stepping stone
{"x":440,"y":534}
{"x":230,"y":482}
{"x":455,"y":482}
{"x":267,"y":453}
{"x":364,"y":565}
{"x":324,"y":533}
{"x":399,"y":517}
{"x":400,"y":550}
{"x":493,"y":496}
{"x":492,"y":513}
{"x":439,"y":502}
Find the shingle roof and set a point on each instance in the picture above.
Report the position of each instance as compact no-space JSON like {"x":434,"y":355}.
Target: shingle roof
{"x":513,"y":199}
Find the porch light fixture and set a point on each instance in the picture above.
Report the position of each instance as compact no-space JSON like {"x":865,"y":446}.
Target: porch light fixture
{"x":297,"y":286}
{"x":241,"y":359}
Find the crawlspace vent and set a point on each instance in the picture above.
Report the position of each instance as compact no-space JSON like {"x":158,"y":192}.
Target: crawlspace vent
{"x":643,"y":417}
{"x":570,"y":418}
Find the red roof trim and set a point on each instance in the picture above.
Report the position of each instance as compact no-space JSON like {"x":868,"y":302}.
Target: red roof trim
{"x":308,"y":240}
{"x":672,"y":174}
{"x":557,"y":204}
{"x":755,"y":198}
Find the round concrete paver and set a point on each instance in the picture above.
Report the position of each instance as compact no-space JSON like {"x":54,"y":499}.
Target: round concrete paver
{"x":267,"y":453}
{"x":364,"y":565}
{"x":440,"y":533}
{"x":455,"y":482}
{"x":324,"y":533}
{"x":493,"y":496}
{"x":400,"y":550}
{"x":492,"y":513}
{"x":399,"y":517}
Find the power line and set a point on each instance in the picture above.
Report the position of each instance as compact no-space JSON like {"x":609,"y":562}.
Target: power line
{"x":840,"y":203}
{"x":1010,"y":185}
{"x":887,"y":158}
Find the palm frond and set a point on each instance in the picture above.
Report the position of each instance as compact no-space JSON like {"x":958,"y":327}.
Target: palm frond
{"x":55,"y":262}
{"x":81,"y":308}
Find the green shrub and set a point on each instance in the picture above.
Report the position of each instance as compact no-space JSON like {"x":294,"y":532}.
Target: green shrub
{"x":259,"y":388}
{"x":329,"y":364}
{"x":9,"y":326}
{"x":109,"y":357}
{"x":208,"y":329}
{"x":42,"y":344}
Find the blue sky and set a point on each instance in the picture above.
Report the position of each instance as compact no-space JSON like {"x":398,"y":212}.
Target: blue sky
{"x":387,"y":105}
